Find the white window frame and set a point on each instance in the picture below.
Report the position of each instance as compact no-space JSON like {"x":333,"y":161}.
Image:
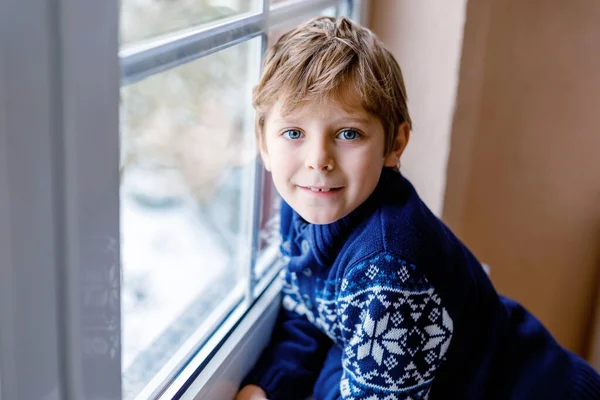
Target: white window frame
{"x":59,"y":198}
{"x":59,"y":207}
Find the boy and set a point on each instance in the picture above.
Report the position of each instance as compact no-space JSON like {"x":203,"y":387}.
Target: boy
{"x":380,"y":300}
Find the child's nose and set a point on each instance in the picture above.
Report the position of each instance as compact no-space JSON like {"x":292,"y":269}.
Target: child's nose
{"x":320,"y":158}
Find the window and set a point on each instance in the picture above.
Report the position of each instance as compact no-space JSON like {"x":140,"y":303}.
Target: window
{"x":148,"y":241}
{"x":186,"y":195}
{"x":147,"y":19}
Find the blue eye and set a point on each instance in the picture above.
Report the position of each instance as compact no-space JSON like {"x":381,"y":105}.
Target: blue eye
{"x":348,"y":134}
{"x":292,"y":134}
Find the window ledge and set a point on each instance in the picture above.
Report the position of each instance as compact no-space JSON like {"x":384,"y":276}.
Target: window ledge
{"x":222,"y":375}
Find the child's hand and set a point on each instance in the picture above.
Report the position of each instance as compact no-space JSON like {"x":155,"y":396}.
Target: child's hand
{"x":251,"y":392}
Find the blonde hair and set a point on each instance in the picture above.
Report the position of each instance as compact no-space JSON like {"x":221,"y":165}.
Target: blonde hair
{"x":324,"y":57}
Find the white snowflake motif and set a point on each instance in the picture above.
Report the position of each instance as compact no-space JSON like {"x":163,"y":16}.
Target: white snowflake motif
{"x":403,"y":273}
{"x":435,"y":313}
{"x":397,"y":318}
{"x":372,"y":271}
{"x":344,"y":284}
{"x":375,"y":338}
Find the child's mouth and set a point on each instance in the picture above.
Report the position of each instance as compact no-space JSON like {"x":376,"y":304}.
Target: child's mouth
{"x":320,"y":189}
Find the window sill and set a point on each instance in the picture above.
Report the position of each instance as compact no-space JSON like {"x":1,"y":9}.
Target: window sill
{"x":222,"y":375}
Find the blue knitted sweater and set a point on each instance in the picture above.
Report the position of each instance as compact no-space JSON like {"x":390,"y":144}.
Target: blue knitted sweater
{"x":386,"y":303}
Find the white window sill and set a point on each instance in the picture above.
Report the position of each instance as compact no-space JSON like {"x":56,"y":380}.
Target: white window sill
{"x":221,"y":377}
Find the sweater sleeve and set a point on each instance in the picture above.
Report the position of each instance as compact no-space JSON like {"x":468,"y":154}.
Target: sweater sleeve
{"x":394,"y":328}
{"x":290,"y":365}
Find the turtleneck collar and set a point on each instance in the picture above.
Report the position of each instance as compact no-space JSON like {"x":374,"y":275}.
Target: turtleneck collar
{"x":326,"y":240}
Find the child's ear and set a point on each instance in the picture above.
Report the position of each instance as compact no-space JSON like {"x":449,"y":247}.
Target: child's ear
{"x":264,"y":154}
{"x":400,"y":142}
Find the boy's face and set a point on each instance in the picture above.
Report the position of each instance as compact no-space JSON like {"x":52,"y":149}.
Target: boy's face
{"x":325,"y":157}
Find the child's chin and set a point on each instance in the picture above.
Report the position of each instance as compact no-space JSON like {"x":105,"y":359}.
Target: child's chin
{"x":318,"y":219}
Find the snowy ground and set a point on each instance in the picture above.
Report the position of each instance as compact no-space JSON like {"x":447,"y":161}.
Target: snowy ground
{"x":173,"y":258}
{"x":169,"y":257}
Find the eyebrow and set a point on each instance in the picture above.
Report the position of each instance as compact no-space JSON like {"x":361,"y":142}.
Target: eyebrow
{"x":347,"y":118}
{"x":353,"y":118}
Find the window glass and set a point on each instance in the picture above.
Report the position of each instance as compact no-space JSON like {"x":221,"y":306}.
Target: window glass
{"x":145,"y":19}
{"x":282,"y":28}
{"x":187,"y":169}
{"x":269,"y":217}
{"x":269,"y":237}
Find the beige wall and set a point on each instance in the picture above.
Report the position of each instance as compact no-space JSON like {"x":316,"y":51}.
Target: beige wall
{"x":524,"y":170}
{"x":425,"y":36}
{"x":521,"y":185}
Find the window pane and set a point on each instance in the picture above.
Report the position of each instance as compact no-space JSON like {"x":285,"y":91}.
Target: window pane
{"x":269,"y":237}
{"x":269,"y":216}
{"x":283,"y":1}
{"x":187,"y":164}
{"x":144,"y":19}
{"x":275,"y":33}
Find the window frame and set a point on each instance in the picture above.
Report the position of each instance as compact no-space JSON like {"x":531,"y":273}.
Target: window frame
{"x":60,"y":80}
{"x":59,"y":295}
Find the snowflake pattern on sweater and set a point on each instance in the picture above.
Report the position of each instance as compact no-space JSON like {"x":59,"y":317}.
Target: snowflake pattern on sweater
{"x":388,"y":320}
